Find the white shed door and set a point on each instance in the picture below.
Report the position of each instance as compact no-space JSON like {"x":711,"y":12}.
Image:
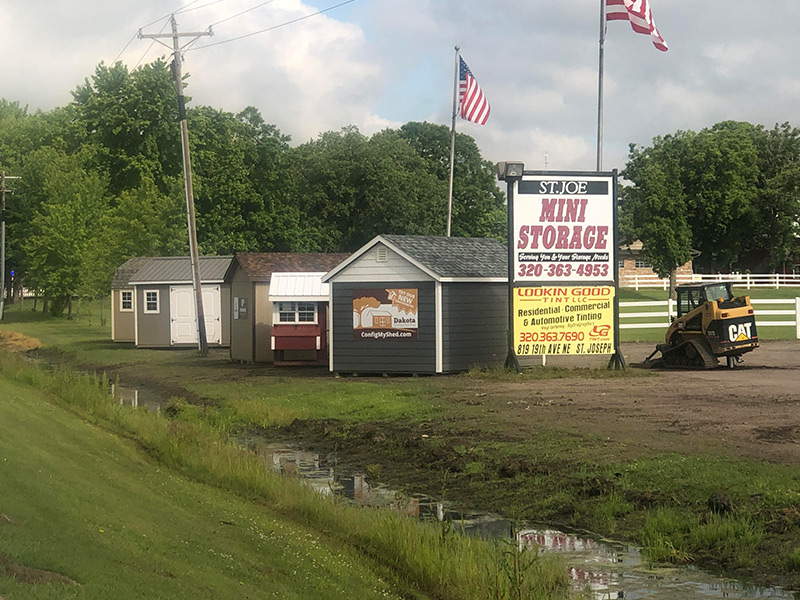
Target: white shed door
{"x":183,"y":327}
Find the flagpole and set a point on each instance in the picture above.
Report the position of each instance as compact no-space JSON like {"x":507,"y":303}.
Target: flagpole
{"x":600,"y":86}
{"x":452,"y":144}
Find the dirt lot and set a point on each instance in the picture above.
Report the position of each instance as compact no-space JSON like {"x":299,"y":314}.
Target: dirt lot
{"x":752,"y":410}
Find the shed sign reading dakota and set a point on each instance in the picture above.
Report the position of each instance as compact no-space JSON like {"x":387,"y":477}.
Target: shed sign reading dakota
{"x":564,"y":320}
{"x":564,"y":229}
{"x":382,"y":314}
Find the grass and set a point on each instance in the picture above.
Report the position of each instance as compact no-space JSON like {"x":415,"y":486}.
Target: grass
{"x":89,"y":506}
{"x":133,"y":517}
{"x":557,"y":474}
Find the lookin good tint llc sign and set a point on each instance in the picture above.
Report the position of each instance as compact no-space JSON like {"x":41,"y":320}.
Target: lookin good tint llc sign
{"x":382,"y":314}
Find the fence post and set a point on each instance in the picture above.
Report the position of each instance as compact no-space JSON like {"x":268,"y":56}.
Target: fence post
{"x":797,"y":318}
{"x":636,"y":282}
{"x":748,"y":281}
{"x":670,"y":309}
{"x":777,"y":281}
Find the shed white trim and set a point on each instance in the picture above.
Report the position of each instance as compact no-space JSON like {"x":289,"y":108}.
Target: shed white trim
{"x":371,"y":244}
{"x":439,"y":329}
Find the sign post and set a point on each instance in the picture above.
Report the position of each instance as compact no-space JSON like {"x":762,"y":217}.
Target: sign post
{"x":563,"y":264}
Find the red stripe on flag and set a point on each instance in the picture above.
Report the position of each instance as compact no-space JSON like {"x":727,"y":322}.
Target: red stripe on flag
{"x":638,"y":13}
{"x":474,"y":105}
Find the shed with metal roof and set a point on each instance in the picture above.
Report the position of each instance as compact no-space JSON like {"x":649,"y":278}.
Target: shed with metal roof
{"x":164,"y":303}
{"x":419,"y":304}
{"x":254,"y":313}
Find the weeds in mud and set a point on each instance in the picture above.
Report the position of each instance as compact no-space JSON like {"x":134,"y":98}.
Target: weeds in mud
{"x":544,"y":373}
{"x":523,"y":573}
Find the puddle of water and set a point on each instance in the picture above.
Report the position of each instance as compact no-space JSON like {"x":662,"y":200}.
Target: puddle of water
{"x":607,"y":569}
{"x":135,"y":398}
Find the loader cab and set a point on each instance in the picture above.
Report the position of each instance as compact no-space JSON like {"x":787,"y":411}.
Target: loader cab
{"x":694,"y":295}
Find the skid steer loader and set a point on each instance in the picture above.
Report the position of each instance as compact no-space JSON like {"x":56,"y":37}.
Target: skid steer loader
{"x":712,"y":323}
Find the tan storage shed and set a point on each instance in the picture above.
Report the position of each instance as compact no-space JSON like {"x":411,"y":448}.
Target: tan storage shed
{"x":252,"y":311}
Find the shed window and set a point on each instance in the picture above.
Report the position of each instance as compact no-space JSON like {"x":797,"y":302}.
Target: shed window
{"x":126,"y":300}
{"x":643,"y":264}
{"x":151,"y":302}
{"x":297,"y":312}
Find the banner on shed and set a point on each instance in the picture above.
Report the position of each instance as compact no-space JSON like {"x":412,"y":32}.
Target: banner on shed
{"x":387,"y":313}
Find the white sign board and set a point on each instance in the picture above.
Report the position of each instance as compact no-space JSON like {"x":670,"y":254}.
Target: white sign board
{"x":564,"y":228}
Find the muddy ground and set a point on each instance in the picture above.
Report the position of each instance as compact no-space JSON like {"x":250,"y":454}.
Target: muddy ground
{"x":752,"y":410}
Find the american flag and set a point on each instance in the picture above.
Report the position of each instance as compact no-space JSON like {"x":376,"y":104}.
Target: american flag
{"x":474,"y":106}
{"x":641,"y":18}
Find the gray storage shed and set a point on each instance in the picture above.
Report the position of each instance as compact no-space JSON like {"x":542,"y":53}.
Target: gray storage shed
{"x":419,"y":304}
{"x":164,"y":302}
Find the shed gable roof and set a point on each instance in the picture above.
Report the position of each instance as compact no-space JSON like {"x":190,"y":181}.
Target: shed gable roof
{"x":178,"y":269}
{"x":124,"y":272}
{"x":259,"y":266}
{"x":444,"y":257}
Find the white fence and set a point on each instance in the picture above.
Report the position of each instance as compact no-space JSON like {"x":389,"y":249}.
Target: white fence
{"x":747,"y":280}
{"x":664,"y":317}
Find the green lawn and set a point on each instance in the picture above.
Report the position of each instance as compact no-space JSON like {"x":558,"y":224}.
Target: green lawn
{"x":658,"y":295}
{"x":88,"y":505}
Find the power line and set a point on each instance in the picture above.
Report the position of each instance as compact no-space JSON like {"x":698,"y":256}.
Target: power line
{"x":241,"y":13}
{"x":187,"y":9}
{"x":135,"y":35}
{"x":138,"y":62}
{"x":247,"y":35}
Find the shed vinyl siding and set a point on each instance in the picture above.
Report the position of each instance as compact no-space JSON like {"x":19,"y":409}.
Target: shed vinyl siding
{"x":368,"y":268}
{"x":351,"y":355}
{"x":242,"y":327}
{"x":153,"y":329}
{"x":123,"y":321}
{"x":263,"y":329}
{"x":474,"y":325}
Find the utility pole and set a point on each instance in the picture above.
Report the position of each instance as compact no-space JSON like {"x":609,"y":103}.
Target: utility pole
{"x":3,"y":240}
{"x":202,"y":340}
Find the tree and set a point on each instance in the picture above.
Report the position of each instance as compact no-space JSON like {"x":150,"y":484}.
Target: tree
{"x":242,"y":193}
{"x":719,"y":176}
{"x":131,"y":120}
{"x":142,"y":222}
{"x":351,"y":188}
{"x":478,"y":204}
{"x":74,"y":199}
{"x":654,"y":210}
{"x":702,"y":191}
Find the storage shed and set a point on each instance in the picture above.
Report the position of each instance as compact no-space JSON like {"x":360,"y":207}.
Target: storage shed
{"x":123,"y":318}
{"x":164,"y":302}
{"x":419,"y":304}
{"x":299,"y":318}
{"x":253,"y":313}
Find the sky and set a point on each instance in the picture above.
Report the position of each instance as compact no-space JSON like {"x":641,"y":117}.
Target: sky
{"x":378,"y":64}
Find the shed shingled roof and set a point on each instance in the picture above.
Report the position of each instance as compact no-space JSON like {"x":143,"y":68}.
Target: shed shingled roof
{"x":456,"y":257}
{"x":178,"y":269}
{"x":259,"y":266}
{"x":127,"y":270}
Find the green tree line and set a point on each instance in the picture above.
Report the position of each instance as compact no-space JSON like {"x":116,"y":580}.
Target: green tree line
{"x":101,"y":181}
{"x":728,"y":197}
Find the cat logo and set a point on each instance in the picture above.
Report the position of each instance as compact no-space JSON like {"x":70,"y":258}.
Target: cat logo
{"x":739,"y":332}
